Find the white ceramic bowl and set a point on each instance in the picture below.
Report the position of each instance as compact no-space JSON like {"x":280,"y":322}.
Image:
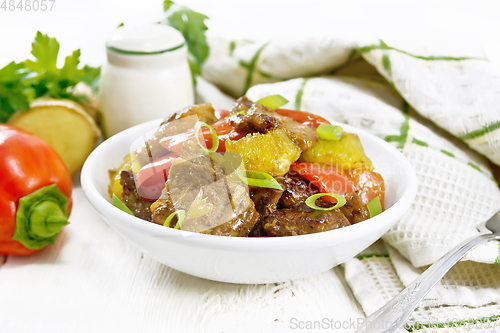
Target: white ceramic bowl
{"x":249,"y":260}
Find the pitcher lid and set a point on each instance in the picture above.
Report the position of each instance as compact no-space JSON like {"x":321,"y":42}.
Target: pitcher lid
{"x":148,"y":39}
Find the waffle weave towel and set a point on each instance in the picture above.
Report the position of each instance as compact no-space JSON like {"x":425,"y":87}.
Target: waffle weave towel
{"x":442,"y":110}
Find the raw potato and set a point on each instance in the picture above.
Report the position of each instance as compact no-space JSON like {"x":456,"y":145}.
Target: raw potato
{"x":65,"y":125}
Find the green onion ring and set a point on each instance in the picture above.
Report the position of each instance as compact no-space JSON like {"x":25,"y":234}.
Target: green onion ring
{"x":330,"y":132}
{"x":215,"y":137}
{"x":181,"y":216}
{"x":120,"y":205}
{"x":311,"y":201}
{"x":273,"y":101}
{"x":374,"y":206}
{"x":259,"y":179}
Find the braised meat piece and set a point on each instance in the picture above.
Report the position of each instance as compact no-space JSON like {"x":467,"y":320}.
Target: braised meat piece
{"x":302,"y":135}
{"x":262,"y":119}
{"x":183,"y":185}
{"x":296,"y":192}
{"x":266,"y":199}
{"x":256,"y":119}
{"x":162,"y":208}
{"x":239,"y":226}
{"x":257,"y":230}
{"x":178,"y":122}
{"x":301,"y":221}
{"x":242,"y":104}
{"x":131,"y":197}
{"x":204,"y":112}
{"x":214,"y":203}
{"x":354,"y":210}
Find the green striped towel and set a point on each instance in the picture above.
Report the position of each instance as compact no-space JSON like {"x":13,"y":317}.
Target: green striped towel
{"x":466,"y":299}
{"x":442,"y":110}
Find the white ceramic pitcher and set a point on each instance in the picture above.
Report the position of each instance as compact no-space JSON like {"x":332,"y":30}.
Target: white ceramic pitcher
{"x":147,"y":76}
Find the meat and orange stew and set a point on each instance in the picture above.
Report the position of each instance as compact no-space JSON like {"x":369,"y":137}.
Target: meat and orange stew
{"x":254,"y":171}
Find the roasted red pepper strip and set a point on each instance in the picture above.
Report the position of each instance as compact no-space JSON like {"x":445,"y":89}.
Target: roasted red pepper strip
{"x":35,"y":192}
{"x":303,"y":117}
{"x":366,"y":183}
{"x":152,"y":177}
{"x":221,"y":113}
{"x":225,"y":130}
{"x":326,"y":178}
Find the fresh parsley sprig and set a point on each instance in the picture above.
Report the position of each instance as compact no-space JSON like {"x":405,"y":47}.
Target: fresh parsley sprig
{"x":15,"y":94}
{"x":192,"y":26}
{"x":20,"y":83}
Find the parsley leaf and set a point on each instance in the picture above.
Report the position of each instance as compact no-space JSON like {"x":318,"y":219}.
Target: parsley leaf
{"x":11,"y":72}
{"x":50,"y":80}
{"x":73,"y":75}
{"x":167,"y":4}
{"x":45,"y":50}
{"x":192,"y":26}
{"x":21,"y":83}
{"x":14,"y":93}
{"x":70,"y":65}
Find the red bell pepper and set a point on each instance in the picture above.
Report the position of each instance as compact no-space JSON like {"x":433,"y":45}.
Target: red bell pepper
{"x":152,"y":177}
{"x":306,"y":118}
{"x":221,"y":113}
{"x":225,"y":130}
{"x":326,"y":178}
{"x":368,"y":184}
{"x":35,"y":192}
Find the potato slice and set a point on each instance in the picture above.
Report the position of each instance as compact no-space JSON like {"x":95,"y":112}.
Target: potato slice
{"x":65,"y":125}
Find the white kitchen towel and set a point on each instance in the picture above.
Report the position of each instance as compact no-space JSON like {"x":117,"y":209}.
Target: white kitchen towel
{"x":358,"y":84}
{"x":455,"y":86}
{"x":466,"y":299}
{"x":432,"y":104}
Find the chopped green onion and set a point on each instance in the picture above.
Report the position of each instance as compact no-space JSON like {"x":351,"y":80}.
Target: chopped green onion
{"x":215,"y":137}
{"x":374,"y":206}
{"x":181,"y":216}
{"x":259,"y":179}
{"x":330,"y":132}
{"x":273,"y":101}
{"x":311,"y":201}
{"x":120,"y":205}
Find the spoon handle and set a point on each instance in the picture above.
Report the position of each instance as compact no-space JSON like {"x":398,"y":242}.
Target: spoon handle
{"x":393,"y":315}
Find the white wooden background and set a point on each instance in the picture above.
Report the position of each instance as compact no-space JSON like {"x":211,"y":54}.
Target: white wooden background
{"x":93,"y":281}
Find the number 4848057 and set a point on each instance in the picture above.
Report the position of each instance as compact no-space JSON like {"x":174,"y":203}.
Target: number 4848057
{"x":27,"y":5}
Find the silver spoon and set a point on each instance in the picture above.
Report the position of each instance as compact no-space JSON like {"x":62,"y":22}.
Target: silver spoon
{"x":392,"y":316}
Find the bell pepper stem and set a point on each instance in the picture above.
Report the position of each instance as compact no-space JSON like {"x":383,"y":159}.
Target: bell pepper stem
{"x":46,"y":219}
{"x":52,"y":219}
{"x":40,"y":217}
